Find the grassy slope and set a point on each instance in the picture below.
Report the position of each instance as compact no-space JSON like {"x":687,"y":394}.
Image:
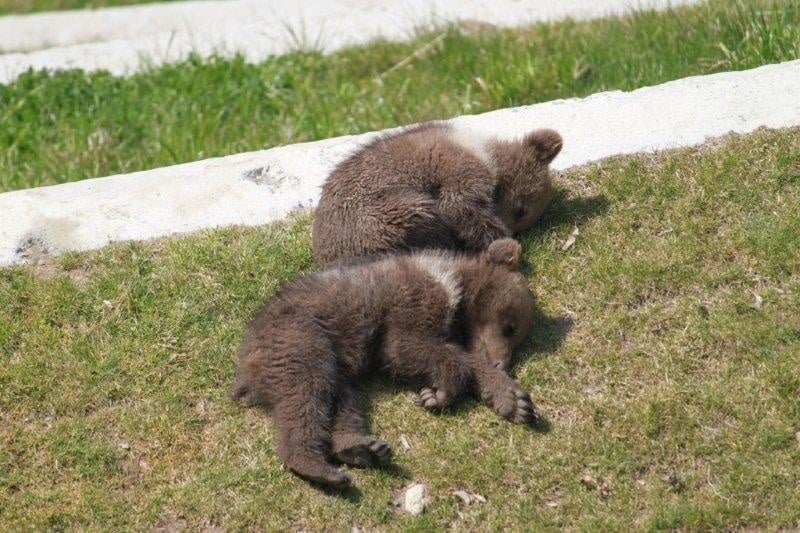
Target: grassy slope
{"x":99,"y":125}
{"x":8,"y":7}
{"x":673,"y":395}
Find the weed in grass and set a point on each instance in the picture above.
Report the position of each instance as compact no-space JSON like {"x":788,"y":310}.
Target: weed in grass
{"x":671,"y":395}
{"x":73,"y":126}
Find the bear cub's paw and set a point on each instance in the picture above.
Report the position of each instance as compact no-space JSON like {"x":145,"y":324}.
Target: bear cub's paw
{"x":433,"y":399}
{"x":362,"y":451}
{"x":515,"y":404}
{"x":332,"y":477}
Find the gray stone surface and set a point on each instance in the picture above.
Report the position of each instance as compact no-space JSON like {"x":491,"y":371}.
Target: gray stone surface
{"x":260,"y":187}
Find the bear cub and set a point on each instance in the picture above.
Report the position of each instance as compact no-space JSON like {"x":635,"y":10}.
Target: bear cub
{"x":442,"y":321}
{"x":437,"y":185}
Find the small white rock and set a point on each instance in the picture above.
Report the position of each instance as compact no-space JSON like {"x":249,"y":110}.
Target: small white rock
{"x":463,"y":496}
{"x":404,"y":443}
{"x":571,"y":239}
{"x":414,"y":499}
{"x":797,"y":436}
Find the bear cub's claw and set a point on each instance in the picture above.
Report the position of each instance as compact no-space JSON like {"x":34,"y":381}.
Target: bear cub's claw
{"x":432,"y":399}
{"x":515,"y":404}
{"x":366,"y":452}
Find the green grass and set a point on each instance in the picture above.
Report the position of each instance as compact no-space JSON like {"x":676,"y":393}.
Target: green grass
{"x":9,"y":7}
{"x":673,"y":396}
{"x":75,"y":126}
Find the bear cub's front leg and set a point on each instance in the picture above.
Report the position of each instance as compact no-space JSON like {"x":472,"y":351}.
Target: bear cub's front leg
{"x":500,"y":392}
{"x":448,"y":377}
{"x":493,"y":386}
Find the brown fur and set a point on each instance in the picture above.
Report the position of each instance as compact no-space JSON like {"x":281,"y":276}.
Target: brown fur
{"x":421,"y":188}
{"x":307,"y":348}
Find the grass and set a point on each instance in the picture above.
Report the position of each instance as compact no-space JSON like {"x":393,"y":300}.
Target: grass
{"x":97,"y":125}
{"x":10,"y":7}
{"x":671,"y":390}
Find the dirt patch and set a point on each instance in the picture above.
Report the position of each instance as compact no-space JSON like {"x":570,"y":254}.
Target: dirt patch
{"x":272,"y":177}
{"x":51,"y":269}
{"x":33,"y":250}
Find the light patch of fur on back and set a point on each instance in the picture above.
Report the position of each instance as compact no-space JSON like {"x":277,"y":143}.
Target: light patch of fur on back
{"x":440,"y":268}
{"x":473,"y":142}
{"x":361,"y":274}
{"x":330,"y":273}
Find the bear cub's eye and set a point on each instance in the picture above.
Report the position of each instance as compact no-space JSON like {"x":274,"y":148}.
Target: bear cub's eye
{"x":509,"y":331}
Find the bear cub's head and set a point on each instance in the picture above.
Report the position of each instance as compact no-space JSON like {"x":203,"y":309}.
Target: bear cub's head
{"x":524,"y":188}
{"x":499,"y":303}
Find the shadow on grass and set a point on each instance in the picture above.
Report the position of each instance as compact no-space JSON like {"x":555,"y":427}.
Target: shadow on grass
{"x":468,"y":404}
{"x":351,"y":494}
{"x":565,"y":211}
{"x":548,"y":333}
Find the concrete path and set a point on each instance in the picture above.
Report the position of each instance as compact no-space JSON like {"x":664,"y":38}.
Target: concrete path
{"x":259,"y":187}
{"x":124,"y":40}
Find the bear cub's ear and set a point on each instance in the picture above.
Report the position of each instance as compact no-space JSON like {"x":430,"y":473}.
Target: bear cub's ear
{"x":546,"y":144}
{"x":505,"y":253}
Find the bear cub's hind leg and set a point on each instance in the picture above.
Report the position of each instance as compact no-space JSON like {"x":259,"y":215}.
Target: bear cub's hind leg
{"x":304,"y":418}
{"x":350,"y":443}
{"x":302,"y":447}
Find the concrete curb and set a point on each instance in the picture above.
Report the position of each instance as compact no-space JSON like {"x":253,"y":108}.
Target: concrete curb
{"x":260,"y":187}
{"x":124,"y":40}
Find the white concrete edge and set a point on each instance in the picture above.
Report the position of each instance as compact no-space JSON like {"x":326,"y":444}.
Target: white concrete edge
{"x":124,"y":40}
{"x":260,"y":187}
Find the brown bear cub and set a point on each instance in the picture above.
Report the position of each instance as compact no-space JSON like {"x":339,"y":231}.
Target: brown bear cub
{"x":436,"y":185}
{"x":307,"y":348}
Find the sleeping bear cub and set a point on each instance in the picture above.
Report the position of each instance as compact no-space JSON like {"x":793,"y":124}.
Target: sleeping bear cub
{"x":444,"y":322}
{"x":437,"y":185}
